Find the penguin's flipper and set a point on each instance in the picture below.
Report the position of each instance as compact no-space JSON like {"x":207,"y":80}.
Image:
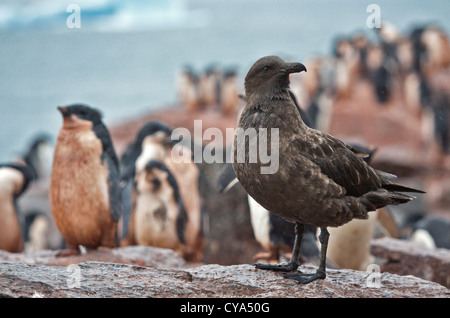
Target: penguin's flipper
{"x":114,"y":188}
{"x":387,"y":222}
{"x":108,"y":148}
{"x":126,"y":193}
{"x":182,"y":219}
{"x":112,"y":161}
{"x":227,"y":179}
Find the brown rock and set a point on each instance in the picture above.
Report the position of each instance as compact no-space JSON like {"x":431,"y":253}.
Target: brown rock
{"x":95,"y":279}
{"x":139,"y":255}
{"x":404,"y":258}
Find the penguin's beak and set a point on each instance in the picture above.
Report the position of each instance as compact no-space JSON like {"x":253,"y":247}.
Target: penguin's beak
{"x":294,"y":68}
{"x":63,"y":110}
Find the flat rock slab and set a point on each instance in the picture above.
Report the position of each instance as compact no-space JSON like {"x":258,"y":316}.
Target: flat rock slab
{"x":103,"y":280}
{"x":134,"y":255}
{"x":405,"y":258}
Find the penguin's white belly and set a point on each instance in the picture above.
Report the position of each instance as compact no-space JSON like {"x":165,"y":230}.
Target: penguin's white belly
{"x":155,"y":223}
{"x":259,"y":217}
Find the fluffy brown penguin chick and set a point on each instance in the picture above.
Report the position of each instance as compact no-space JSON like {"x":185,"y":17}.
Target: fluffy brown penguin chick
{"x":84,"y":188}
{"x":154,"y":142}
{"x":159,"y":214}
{"x":319,"y":180}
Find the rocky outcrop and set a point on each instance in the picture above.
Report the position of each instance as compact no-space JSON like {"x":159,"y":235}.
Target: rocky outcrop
{"x":153,"y":272}
{"x":134,"y":255}
{"x":404,"y":258}
{"x":96,"y":279}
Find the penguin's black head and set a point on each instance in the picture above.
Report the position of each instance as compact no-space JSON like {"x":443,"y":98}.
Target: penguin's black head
{"x":161,"y":132}
{"x":270,"y":76}
{"x":189,"y":71}
{"x":155,"y":174}
{"x":230,"y":72}
{"x":38,"y":155}
{"x":161,"y":173}
{"x":152,"y":128}
{"x":135,"y":148}
{"x":82,"y":112}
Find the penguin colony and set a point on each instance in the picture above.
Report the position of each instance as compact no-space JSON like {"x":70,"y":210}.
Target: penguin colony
{"x":99,"y":200}
{"x":214,"y":88}
{"x":412,"y":64}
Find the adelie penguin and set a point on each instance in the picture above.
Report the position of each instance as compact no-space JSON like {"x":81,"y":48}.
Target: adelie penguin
{"x":188,"y":89}
{"x":319,"y":181}
{"x":147,"y":145}
{"x":38,"y":228}
{"x":159,"y":214}
{"x":14,"y":180}
{"x":210,"y":86}
{"x":229,"y":99}
{"x":39,"y":156}
{"x":154,"y":142}
{"x":84,"y":187}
